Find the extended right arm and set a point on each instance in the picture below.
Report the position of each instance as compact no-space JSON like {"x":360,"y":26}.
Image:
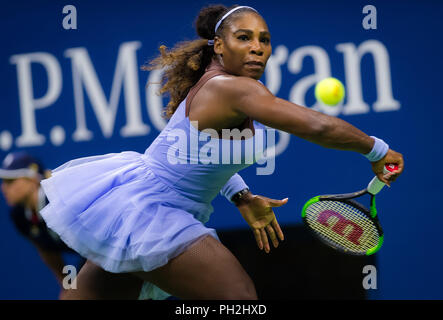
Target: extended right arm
{"x":248,"y":97}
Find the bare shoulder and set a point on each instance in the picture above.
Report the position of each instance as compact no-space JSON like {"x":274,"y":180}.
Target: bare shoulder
{"x":237,"y":96}
{"x":236,"y":87}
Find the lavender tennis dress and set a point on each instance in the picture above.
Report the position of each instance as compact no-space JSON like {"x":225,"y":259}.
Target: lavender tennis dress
{"x":131,"y":212}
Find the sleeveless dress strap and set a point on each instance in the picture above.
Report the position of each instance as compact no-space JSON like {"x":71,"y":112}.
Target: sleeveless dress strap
{"x":214,"y":69}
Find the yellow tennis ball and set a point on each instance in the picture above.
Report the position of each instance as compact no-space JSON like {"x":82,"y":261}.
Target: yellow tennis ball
{"x":330,"y":91}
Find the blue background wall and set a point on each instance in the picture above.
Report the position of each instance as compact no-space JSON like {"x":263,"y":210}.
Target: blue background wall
{"x":411,"y":260}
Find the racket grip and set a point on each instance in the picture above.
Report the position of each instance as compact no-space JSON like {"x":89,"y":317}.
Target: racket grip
{"x":376,"y":185}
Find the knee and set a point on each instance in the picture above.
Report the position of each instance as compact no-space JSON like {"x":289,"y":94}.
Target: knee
{"x":244,"y":291}
{"x":249,"y":293}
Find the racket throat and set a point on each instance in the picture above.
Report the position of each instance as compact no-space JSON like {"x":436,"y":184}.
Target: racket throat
{"x":373,"y":209}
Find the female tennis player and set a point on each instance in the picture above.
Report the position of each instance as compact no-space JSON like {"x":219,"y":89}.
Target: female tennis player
{"x":140,"y":217}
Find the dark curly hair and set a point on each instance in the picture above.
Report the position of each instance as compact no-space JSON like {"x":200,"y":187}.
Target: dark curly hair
{"x":187,"y":61}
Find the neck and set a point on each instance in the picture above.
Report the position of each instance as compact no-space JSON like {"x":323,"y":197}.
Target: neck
{"x":219,"y":59}
{"x":216,"y":64}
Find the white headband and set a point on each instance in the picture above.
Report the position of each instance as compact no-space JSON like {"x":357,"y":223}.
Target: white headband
{"x":19,"y":173}
{"x":211,"y":42}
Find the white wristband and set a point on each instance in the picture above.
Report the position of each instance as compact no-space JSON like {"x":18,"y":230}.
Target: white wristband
{"x":378,"y":151}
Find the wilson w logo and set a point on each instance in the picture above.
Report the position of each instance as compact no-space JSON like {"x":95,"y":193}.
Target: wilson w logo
{"x":340,"y":225}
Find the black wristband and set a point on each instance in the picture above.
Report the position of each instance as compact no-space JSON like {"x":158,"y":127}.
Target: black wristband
{"x":237,"y":196}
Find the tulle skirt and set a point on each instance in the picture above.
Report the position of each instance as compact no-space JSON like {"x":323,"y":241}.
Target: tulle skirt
{"x":114,"y":211}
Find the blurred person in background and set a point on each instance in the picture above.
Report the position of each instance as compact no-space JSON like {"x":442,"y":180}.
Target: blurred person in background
{"x":21,"y":175}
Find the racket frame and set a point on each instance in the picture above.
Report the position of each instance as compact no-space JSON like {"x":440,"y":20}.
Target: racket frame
{"x":347,"y":198}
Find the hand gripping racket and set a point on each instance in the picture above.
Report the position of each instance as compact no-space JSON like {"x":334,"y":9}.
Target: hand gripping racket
{"x":345,"y":224}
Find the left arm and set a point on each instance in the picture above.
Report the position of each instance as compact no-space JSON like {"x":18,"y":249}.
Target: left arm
{"x":257,"y":211}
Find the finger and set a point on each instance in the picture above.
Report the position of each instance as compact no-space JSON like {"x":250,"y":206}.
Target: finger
{"x":277,"y":228}
{"x":264,"y":238}
{"x":388,"y":176}
{"x":258,"y":238}
{"x":277,"y":203}
{"x":401,"y":165}
{"x":382,"y":178}
{"x":391,"y":176}
{"x":397,"y":158}
{"x":272,"y":235}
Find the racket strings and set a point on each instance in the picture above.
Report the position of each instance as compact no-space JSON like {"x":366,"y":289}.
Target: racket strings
{"x":343,"y":225}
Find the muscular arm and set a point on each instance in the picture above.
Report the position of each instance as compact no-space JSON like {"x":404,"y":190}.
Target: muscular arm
{"x":249,"y":97}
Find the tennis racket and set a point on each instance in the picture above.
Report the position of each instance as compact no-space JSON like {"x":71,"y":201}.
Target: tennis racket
{"x":343,"y":223}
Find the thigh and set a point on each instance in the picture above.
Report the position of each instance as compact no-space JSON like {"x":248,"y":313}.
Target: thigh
{"x":206,"y":270}
{"x":95,"y":283}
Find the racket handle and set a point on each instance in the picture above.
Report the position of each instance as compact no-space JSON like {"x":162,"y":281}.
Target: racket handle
{"x":376,"y":185}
